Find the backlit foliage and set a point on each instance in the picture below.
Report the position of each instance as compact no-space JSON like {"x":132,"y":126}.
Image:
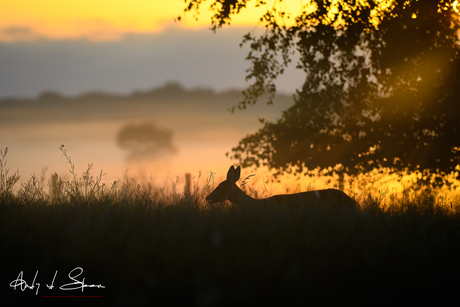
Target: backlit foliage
{"x":381,"y":84}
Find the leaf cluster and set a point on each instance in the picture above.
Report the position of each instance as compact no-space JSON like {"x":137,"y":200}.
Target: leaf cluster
{"x":381,"y":87}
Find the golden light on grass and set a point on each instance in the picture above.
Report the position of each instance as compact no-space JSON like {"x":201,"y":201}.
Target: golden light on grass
{"x":173,"y":242}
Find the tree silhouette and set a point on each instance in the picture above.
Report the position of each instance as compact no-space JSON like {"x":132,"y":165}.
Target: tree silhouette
{"x":381,"y":89}
{"x":145,"y":142}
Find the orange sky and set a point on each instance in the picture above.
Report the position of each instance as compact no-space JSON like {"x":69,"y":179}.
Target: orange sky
{"x":104,"y":19}
{"x":111,"y":19}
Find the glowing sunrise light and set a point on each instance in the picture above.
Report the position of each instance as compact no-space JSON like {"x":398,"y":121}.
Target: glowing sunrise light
{"x":93,"y":19}
{"x":108,"y":20}
{"x":25,"y":20}
{"x":455,"y":7}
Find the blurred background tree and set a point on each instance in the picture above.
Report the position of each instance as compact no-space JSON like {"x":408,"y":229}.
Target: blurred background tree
{"x":145,"y":142}
{"x":381,"y":88}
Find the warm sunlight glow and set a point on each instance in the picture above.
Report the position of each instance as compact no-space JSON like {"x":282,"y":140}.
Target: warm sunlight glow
{"x":455,"y":7}
{"x":24,"y":20}
{"x":95,"y":19}
{"x":107,"y":20}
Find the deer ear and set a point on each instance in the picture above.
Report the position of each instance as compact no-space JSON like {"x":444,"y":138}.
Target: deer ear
{"x":231,"y":173}
{"x":237,"y":174}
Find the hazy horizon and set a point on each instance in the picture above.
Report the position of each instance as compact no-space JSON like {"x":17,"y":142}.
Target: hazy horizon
{"x":195,"y":123}
{"x":195,"y":58}
{"x":77,"y":52}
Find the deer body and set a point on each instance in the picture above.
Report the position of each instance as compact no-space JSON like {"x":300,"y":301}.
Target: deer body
{"x":227,"y":190}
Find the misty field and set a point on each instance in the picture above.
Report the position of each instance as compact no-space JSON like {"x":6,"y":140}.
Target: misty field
{"x":149,"y":246}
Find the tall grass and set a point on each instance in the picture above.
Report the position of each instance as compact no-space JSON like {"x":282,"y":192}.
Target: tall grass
{"x":149,"y":246}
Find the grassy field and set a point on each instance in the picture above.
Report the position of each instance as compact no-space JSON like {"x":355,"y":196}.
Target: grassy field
{"x":150,"y":247}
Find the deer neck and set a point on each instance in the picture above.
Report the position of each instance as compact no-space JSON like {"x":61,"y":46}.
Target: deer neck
{"x":238,"y":197}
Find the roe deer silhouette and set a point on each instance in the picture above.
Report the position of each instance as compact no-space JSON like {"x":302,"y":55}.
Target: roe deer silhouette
{"x":228,"y":190}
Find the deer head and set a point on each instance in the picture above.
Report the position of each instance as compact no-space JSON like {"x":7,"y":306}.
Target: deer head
{"x":226,"y":187}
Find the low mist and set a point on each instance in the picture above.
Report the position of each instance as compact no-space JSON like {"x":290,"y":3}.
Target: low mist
{"x":161,"y":133}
